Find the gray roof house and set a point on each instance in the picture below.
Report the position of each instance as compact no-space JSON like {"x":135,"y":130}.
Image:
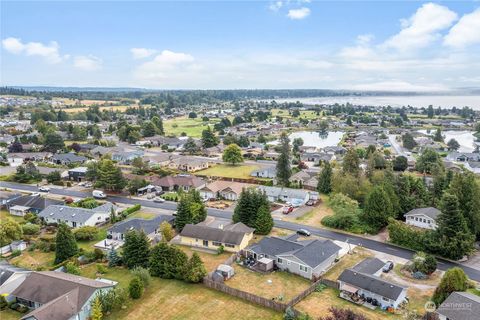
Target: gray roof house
{"x":268,"y":172}
{"x":295,"y":196}
{"x":425,"y":218}
{"x":10,"y":278}
{"x":308,"y":258}
{"x":126,"y":157}
{"x":460,"y":306}
{"x":363,"y":281}
{"x":74,"y":217}
{"x":67,"y":158}
{"x":55,"y":295}
{"x":149,"y":226}
{"x":35,"y":203}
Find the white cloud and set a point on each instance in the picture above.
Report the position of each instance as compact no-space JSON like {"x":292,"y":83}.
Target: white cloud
{"x":365,"y":39}
{"x":49,"y":52}
{"x":465,"y":32}
{"x":275,"y":6}
{"x":399,"y":85}
{"x":422,"y":28}
{"x":142,"y":53}
{"x":87,"y":63}
{"x":298,"y":14}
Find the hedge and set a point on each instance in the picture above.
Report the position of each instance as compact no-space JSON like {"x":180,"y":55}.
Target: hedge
{"x":130,"y":210}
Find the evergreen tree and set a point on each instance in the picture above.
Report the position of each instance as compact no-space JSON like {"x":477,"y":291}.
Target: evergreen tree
{"x":248,"y":208}
{"x":263,"y":221}
{"x":53,"y":142}
{"x":166,"y":231}
{"x":65,"y":244}
{"x":158,"y":122}
{"x":135,"y":288}
{"x":208,"y":138}
{"x":184,"y":213}
{"x":377,"y":208}
{"x":467,"y":190}
{"x":408,"y":141}
{"x":453,"y":144}
{"x":325,"y":179}
{"x":400,"y":163}
{"x":429,"y":161}
{"x":148,"y":129}
{"x":96,"y":313}
{"x":136,"y":249}
{"x":113,"y":258}
{"x":284,"y":170}
{"x":454,"y":279}
{"x":438,"y":136}
{"x":110,"y":176}
{"x":232,"y":154}
{"x":351,"y":163}
{"x":190,"y":146}
{"x":167,"y":262}
{"x":195,"y":270}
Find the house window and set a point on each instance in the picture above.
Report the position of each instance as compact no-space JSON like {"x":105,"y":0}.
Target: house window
{"x":205,"y":243}
{"x":385,"y":299}
{"x":303,"y":268}
{"x":229,"y":245}
{"x":215,"y":243}
{"x":280,"y":261}
{"x":416,"y":219}
{"x":74,"y":224}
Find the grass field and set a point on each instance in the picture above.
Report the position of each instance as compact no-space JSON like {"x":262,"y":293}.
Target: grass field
{"x":210,"y":260}
{"x":33,"y":259}
{"x":229,"y":171}
{"x":9,"y":314}
{"x":314,"y":217}
{"x":192,"y":127}
{"x":88,"y":245}
{"x":4,"y":215}
{"x":112,"y":108}
{"x":142,"y":214}
{"x":273,"y":285}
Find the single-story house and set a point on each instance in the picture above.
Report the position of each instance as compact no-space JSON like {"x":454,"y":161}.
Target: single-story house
{"x":19,"y":211}
{"x":149,"y":226}
{"x":425,"y":218}
{"x":53,"y":295}
{"x":77,"y":174}
{"x":363,"y":281}
{"x":162,"y":159}
{"x":10,"y":278}
{"x":228,"y":190}
{"x":16,"y":159}
{"x":35,"y":203}
{"x":189,"y":164}
{"x":306,"y":258}
{"x":74,"y":217}
{"x":7,"y":196}
{"x":172,"y":143}
{"x":233,"y":238}
{"x":268,"y":172}
{"x":294,"y":196}
{"x":126,"y":157}
{"x":317,"y":157}
{"x":305,"y":178}
{"x":459,"y":306}
{"x":180,"y":181}
{"x":463,"y":156}
{"x":68,"y":158}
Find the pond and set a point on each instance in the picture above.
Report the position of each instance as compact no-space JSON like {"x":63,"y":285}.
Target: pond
{"x":315,"y":138}
{"x":466,"y":139}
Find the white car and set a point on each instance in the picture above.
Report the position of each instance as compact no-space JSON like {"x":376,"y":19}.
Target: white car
{"x":158,"y":199}
{"x":44,"y":189}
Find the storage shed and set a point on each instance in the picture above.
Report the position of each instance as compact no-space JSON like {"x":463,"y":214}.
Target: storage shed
{"x":225,"y":270}
{"x":265,"y":264}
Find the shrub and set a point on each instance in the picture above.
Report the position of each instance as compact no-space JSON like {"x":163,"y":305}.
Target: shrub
{"x":143,"y":274}
{"x":3,"y":302}
{"x":220,"y":249}
{"x":30,"y":228}
{"x":15,"y":253}
{"x":98,"y":254}
{"x":72,"y":268}
{"x":101,"y":268}
{"x":112,"y":299}
{"x":135,"y":288}
{"x":131,"y":210}
{"x":85,"y":233}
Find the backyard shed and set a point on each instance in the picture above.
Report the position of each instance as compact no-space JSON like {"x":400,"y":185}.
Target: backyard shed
{"x":265,"y":264}
{"x":226,"y":271}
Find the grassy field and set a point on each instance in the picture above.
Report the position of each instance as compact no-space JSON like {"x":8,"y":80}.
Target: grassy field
{"x":4,"y":215}
{"x":142,"y":214}
{"x":33,"y":259}
{"x":192,"y":127}
{"x":88,"y":245}
{"x":210,"y":260}
{"x":9,"y":314}
{"x":306,"y":114}
{"x":229,"y":171}
{"x":273,"y":285}
{"x":318,"y":303}
{"x":111,"y":108}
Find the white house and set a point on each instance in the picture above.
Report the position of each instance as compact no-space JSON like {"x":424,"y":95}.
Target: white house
{"x":425,"y":218}
{"x":10,"y":278}
{"x":74,"y":217}
{"x":294,"y":196}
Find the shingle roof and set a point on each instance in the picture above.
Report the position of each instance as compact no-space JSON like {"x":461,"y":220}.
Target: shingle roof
{"x":147,"y":225}
{"x":36,"y":202}
{"x":429,"y":212}
{"x":369,"y":265}
{"x":105,"y":208}
{"x":7,"y":270}
{"x":273,"y":246}
{"x":179,"y":180}
{"x":460,"y":306}
{"x":371,"y":283}
{"x":239,"y":227}
{"x":78,"y":215}
{"x":69,"y":157}
{"x":212,"y":234}
{"x":316,"y":252}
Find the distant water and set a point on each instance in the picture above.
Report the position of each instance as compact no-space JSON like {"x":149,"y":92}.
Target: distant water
{"x":396,"y":101}
{"x":315,"y":139}
{"x":466,"y":139}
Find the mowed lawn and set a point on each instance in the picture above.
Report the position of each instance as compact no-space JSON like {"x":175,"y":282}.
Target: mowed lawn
{"x":279,"y":284}
{"x":192,"y":127}
{"x":240,"y":171}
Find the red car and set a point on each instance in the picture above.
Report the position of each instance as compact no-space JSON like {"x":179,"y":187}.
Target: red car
{"x":287,"y":210}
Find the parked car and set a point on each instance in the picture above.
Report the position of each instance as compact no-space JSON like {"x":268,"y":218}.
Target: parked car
{"x":387,"y":267}
{"x":158,"y":200}
{"x":311,"y":202}
{"x":98,"y":194}
{"x":44,"y":189}
{"x":150,"y":196}
{"x":287,"y":210}
{"x":304,"y":232}
{"x":88,"y":185}
{"x":35,"y":194}
{"x":159,"y":192}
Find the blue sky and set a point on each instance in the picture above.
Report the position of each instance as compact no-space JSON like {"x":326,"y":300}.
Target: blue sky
{"x":242,"y":44}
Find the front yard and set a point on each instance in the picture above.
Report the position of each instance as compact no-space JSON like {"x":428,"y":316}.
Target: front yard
{"x":241,"y":171}
{"x":278,"y":285}
{"x":347,"y":261}
{"x":314,"y":216}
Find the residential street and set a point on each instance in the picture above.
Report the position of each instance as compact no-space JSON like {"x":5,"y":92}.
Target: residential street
{"x":473,"y":273}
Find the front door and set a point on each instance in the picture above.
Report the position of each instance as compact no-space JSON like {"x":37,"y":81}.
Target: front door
{"x":205,"y":243}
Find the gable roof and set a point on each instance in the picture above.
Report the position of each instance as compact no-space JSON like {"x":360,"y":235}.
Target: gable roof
{"x":68,"y":157}
{"x":179,"y":180}
{"x":36,"y":202}
{"x":450,"y":307}
{"x":212,"y":234}
{"x":371,"y":283}
{"x":7,"y":270}
{"x":105,"y":208}
{"x":221,"y":185}
{"x":315,"y":252}
{"x":239,"y":227}
{"x":429,"y":212}
{"x":369,"y":265}
{"x":79,"y":215}
{"x":273,"y":246}
{"x":147,"y":225}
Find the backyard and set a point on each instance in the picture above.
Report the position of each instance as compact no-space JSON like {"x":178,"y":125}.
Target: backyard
{"x":34,"y":259}
{"x":242,"y":171}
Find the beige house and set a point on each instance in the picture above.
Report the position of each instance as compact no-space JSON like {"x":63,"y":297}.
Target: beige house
{"x":228,"y":190}
{"x":189,"y":164}
{"x":233,"y":238}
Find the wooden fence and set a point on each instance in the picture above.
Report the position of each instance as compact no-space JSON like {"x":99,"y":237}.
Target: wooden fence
{"x":277,"y":306}
{"x":302,"y":295}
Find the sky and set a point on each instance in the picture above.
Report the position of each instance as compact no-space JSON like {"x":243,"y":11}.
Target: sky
{"x":360,"y":45}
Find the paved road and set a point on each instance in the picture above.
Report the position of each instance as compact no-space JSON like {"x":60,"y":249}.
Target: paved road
{"x":325,"y":233}
{"x":398,"y":148}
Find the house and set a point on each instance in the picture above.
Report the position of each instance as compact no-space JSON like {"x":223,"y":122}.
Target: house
{"x":228,"y":190}
{"x":68,"y":159}
{"x":189,"y":164}
{"x":77,"y":174}
{"x":180,"y":181}
{"x":10,"y":278}
{"x":172,"y":143}
{"x":268,"y":172}
{"x":162,"y":159}
{"x":16,"y":159}
{"x":7,"y":196}
{"x":317,"y":157}
{"x":126,"y":157}
{"x":305,"y":179}
{"x":459,"y":306}
{"x":215,"y":151}
{"x":35,"y":203}
{"x":74,"y":217}
{"x":363,"y":281}
{"x":55,"y":295}
{"x":307,"y":258}
{"x":473,"y":166}
{"x":463,"y":156}
{"x":425,"y":218}
{"x":149,"y":226}
{"x":294,"y":196}
{"x":87,"y":147}
{"x":233,"y":238}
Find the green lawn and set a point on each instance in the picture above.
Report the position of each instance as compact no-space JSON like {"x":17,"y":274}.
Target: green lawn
{"x":9,"y":314}
{"x":33,"y":259}
{"x":4,"y":215}
{"x":192,"y":127}
{"x":102,"y":234}
{"x":142,"y":214}
{"x":241,"y":171}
